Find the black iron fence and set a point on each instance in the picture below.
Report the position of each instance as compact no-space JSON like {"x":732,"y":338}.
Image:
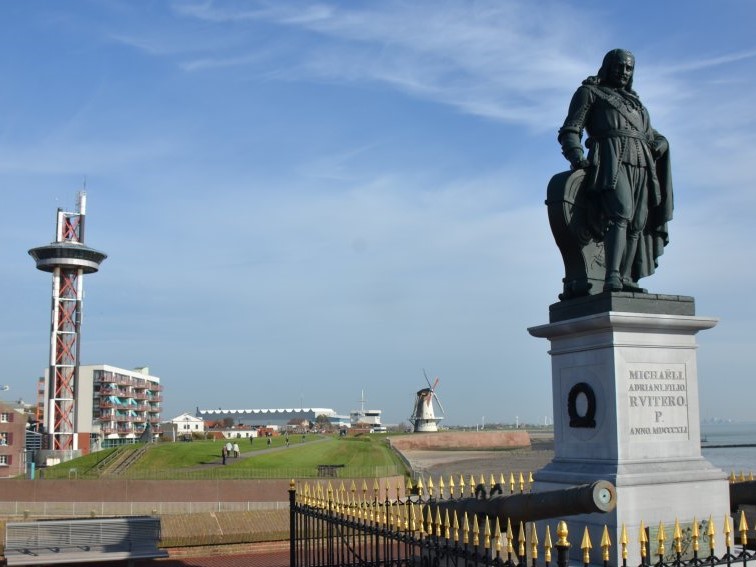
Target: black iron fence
{"x":358,"y":527}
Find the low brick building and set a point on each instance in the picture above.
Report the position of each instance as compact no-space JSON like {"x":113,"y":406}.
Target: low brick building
{"x":12,"y":441}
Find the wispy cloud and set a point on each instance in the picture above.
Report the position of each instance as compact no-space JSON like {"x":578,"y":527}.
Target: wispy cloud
{"x":501,"y":60}
{"x":711,"y":62}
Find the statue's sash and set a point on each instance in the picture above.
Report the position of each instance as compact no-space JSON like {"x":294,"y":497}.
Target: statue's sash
{"x":617,"y":103}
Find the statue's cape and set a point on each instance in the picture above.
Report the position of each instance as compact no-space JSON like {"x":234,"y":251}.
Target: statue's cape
{"x":656,"y":236}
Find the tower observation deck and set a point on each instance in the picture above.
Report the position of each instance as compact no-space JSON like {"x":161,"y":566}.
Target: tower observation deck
{"x":68,"y":259}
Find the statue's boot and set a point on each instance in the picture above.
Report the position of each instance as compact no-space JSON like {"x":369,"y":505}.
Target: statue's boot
{"x":631,"y":246}
{"x":614,"y":248}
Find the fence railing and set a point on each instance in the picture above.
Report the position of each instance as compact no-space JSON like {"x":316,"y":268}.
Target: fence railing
{"x":234,"y":473}
{"x":339,"y":527}
{"x":101,"y":509}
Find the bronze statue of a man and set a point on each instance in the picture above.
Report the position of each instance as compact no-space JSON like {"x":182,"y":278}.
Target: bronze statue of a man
{"x":627,"y":170}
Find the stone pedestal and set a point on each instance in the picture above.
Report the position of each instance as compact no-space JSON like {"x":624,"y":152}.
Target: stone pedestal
{"x":625,"y":391}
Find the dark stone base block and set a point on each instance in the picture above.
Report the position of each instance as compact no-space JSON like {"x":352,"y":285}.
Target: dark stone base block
{"x":621,"y":301}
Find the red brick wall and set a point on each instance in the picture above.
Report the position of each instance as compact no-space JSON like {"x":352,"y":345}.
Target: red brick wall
{"x":13,"y":490}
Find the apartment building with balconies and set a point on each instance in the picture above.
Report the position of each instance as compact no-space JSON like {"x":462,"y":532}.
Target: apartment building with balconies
{"x":124,"y":405}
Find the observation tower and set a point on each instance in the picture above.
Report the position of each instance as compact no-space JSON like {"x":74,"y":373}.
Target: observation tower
{"x":68,"y":259}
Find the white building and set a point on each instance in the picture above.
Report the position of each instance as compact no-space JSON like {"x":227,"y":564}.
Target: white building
{"x":339,"y":421}
{"x":185,"y":424}
{"x":363,"y":417}
{"x":265,"y":417}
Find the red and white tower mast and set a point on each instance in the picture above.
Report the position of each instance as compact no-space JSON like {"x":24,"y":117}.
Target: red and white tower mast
{"x":68,"y":259}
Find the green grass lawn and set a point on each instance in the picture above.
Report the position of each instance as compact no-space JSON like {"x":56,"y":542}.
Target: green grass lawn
{"x":364,"y":456}
{"x":184,"y":455}
{"x":353,"y":452}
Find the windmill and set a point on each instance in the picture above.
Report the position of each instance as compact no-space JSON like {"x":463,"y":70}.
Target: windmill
{"x":423,"y":416}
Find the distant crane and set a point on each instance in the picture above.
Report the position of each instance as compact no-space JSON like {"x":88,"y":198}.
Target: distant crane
{"x":423,"y":416}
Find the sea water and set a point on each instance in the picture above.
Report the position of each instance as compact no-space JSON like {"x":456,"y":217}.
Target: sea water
{"x":730,"y":446}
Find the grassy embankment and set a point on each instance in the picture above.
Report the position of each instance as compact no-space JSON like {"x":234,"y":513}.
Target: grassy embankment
{"x":365,"y":456}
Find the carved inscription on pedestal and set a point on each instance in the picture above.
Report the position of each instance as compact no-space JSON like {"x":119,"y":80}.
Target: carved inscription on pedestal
{"x":657,"y":402}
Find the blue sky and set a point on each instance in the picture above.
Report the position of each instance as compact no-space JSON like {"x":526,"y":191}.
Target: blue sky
{"x":304,"y":200}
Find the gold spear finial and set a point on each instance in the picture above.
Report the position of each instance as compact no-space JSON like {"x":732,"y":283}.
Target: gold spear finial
{"x":677,"y":537}
{"x":451,"y":486}
{"x":586,"y":546}
{"x":491,"y":482}
{"x":710,"y":531}
{"x":727,"y":532}
{"x":643,"y":540}
{"x":430,"y":487}
{"x":475,"y":531}
{"x":462,"y":485}
{"x":487,"y":534}
{"x":533,"y":541}
{"x":465,"y":530}
{"x":420,"y":487}
{"x":437,"y":519}
{"x":408,"y":487}
{"x":660,"y":550}
{"x":455,"y":527}
{"x":624,"y":541}
{"x":741,"y":478}
{"x":413,"y":519}
{"x":502,"y":480}
{"x":319,"y":495}
{"x":429,"y":520}
{"x":366,"y":511}
{"x":497,"y":536}
{"x":732,"y":477}
{"x":510,"y":538}
{"x":441,"y":487}
{"x":447,"y":525}
{"x":522,"y":483}
{"x":472,"y":485}
{"x":606,"y":544}
{"x":695,"y":535}
{"x":358,"y":504}
{"x":511,"y":483}
{"x":530,"y":479}
{"x":562,"y":534}
{"x":521,"y":541}
{"x":547,"y":546}
{"x":376,"y":488}
{"x":743,"y":529}
{"x":336,"y":501}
